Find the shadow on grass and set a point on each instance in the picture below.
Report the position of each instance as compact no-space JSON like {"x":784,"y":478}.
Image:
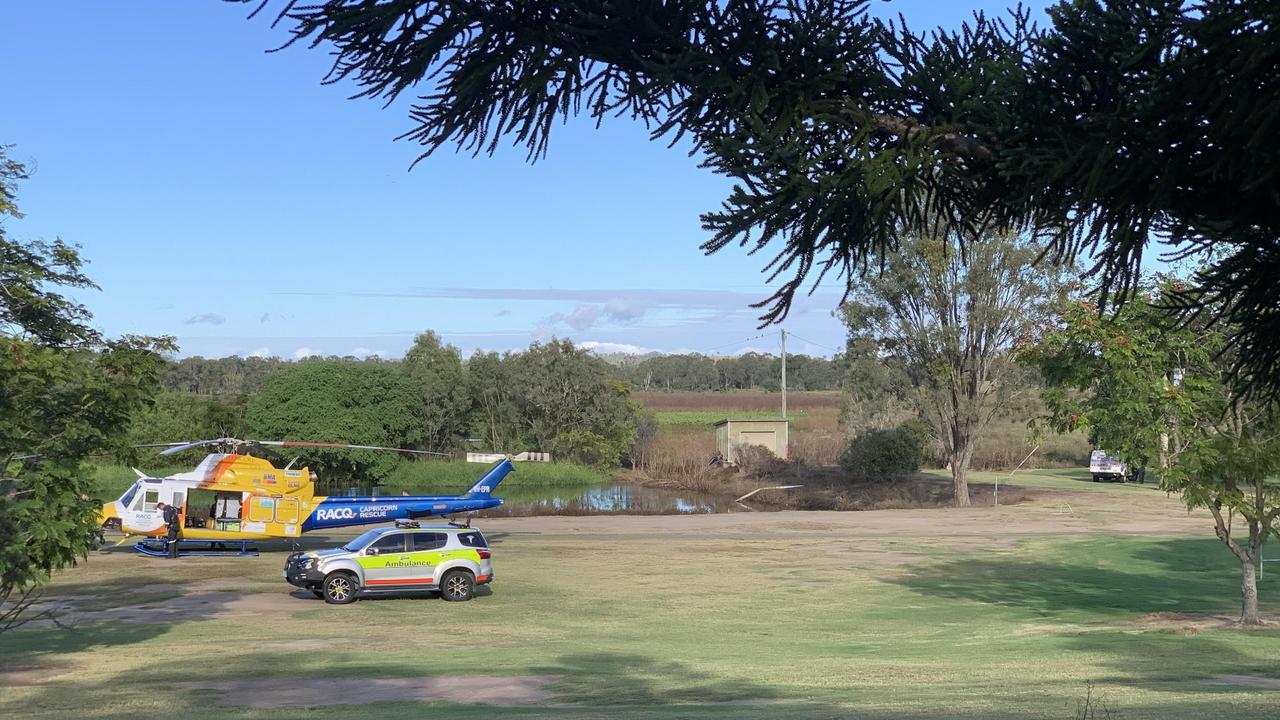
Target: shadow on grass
{"x":1104,"y":578}
{"x":1167,"y":660}
{"x":111,"y":613}
{"x":625,"y":679}
{"x":586,"y":685}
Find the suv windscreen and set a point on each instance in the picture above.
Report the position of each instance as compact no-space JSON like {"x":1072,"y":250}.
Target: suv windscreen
{"x":472,"y":539}
{"x":420,"y":541}
{"x":363,"y":539}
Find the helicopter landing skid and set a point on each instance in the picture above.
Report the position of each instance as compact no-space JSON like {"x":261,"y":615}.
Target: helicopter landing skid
{"x":219,"y":548}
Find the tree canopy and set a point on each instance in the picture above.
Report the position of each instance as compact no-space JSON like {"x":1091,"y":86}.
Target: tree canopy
{"x":1117,"y":124}
{"x":340,"y":401}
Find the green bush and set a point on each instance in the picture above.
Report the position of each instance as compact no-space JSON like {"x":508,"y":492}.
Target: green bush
{"x":885,"y":454}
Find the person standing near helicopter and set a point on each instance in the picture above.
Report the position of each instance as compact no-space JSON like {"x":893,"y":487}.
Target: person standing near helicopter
{"x":171,"y":520}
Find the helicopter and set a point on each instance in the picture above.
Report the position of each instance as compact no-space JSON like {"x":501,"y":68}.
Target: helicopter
{"x":233,"y":499}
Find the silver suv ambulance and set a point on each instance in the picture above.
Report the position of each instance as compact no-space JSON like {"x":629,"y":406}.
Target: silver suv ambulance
{"x":446,"y":558}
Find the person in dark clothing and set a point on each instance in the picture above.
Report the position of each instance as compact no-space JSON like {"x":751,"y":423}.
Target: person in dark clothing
{"x":170,"y":514}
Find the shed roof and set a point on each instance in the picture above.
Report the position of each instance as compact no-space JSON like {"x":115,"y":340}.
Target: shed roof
{"x":718,"y":423}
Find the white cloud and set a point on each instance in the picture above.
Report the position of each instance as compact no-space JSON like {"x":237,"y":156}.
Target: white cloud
{"x":582,"y":317}
{"x":304,"y":352}
{"x":612,"y":347}
{"x":364,"y":352}
{"x":262,"y":352}
{"x":624,"y":310}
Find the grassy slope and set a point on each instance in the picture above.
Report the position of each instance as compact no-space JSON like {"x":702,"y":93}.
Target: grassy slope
{"x":992,"y":633}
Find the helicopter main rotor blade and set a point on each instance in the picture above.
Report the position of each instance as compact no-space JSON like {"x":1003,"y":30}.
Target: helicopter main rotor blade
{"x":200,"y":443}
{"x":347,"y":446}
{"x":173,"y":448}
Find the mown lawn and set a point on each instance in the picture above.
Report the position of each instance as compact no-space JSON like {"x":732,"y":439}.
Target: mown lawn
{"x":694,"y":626}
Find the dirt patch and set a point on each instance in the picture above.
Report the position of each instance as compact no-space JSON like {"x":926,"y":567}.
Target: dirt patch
{"x":302,"y":644}
{"x":25,"y":675}
{"x":168,"y":604}
{"x":1192,"y":624}
{"x":296,"y":692}
{"x":1253,"y":681}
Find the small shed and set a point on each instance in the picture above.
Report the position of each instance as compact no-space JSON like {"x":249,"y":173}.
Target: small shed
{"x":771,"y":434}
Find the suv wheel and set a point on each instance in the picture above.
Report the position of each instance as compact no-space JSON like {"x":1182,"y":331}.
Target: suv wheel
{"x":339,"y":588}
{"x":457,"y":586}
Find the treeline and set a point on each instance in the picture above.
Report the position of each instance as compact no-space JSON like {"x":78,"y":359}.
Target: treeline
{"x":750,"y":371}
{"x":552,"y":397}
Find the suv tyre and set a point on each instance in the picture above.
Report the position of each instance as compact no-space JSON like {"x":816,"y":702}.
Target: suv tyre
{"x":340,"y":588}
{"x":457,"y":586}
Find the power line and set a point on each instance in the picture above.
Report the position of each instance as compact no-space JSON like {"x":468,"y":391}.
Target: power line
{"x":730,"y":344}
{"x":824,"y":347}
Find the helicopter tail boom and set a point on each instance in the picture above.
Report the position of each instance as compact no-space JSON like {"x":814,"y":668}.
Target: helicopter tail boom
{"x":486,"y":484}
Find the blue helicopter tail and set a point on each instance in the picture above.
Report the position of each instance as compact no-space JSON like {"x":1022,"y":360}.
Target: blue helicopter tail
{"x":486,"y":485}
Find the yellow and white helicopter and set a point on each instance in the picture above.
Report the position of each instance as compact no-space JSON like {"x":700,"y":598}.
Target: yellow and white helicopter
{"x":232,"y":499}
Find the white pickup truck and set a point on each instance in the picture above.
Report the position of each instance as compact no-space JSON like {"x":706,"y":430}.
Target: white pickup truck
{"x":1104,"y":467}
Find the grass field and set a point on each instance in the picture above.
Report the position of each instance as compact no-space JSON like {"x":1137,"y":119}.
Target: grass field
{"x":685,"y":421}
{"x":933,"y":614}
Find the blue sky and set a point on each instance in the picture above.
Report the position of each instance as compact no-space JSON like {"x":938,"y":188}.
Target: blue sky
{"x":224,"y":196}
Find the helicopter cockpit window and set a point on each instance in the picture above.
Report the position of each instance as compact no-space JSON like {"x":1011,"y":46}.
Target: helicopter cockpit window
{"x":149,"y":500}
{"x":127,"y":497}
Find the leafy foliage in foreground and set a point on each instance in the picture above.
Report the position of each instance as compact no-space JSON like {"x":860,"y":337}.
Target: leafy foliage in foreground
{"x":1155,"y":391}
{"x":65,"y":393}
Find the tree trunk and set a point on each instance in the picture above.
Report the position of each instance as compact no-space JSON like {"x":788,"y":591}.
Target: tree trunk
{"x":1249,"y":593}
{"x":960,"y":477}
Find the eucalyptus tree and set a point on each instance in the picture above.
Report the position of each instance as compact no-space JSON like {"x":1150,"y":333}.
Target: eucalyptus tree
{"x":437,"y":371}
{"x":944,"y":324}
{"x":1117,"y":122}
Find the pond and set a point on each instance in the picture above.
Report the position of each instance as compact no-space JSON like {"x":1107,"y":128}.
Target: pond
{"x":608,"y":499}
{"x":605,"y":498}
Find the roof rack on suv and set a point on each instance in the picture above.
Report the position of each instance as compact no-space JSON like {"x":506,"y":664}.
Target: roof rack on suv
{"x":407,"y":524}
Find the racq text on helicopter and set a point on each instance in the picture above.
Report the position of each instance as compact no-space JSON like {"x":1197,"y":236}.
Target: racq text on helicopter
{"x":232,"y":498}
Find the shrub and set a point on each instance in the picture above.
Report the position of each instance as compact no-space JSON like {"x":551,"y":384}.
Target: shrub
{"x":757,"y":461}
{"x":885,"y":454}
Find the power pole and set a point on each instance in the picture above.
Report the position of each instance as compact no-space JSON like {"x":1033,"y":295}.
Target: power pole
{"x":784,"y":374}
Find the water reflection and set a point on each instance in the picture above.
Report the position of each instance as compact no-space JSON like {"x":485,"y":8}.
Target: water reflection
{"x":609,"y":499}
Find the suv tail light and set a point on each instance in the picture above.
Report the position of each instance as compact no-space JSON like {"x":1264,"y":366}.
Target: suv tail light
{"x":484,"y":553}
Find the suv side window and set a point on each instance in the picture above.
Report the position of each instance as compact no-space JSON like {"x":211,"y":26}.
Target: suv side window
{"x":472,"y":539}
{"x":420,"y":541}
{"x":389,"y":544}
